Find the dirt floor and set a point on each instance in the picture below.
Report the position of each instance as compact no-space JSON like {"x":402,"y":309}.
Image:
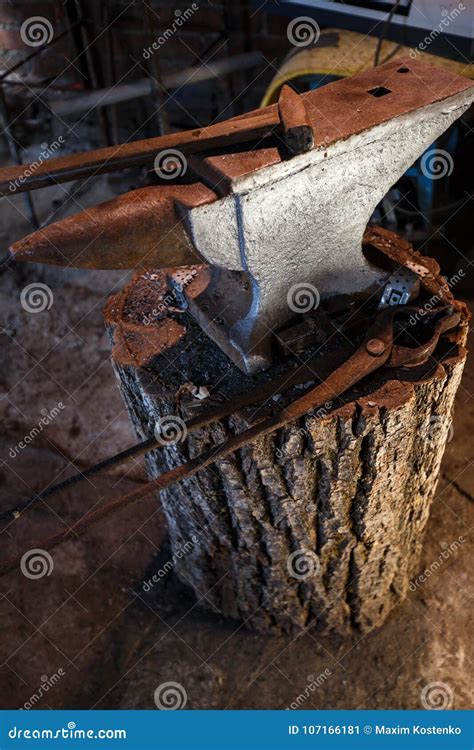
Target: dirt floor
{"x":88,"y":635}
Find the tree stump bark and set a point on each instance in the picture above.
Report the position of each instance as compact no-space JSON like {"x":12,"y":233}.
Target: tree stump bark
{"x":320,"y":523}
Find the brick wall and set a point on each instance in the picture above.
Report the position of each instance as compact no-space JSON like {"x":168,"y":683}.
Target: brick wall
{"x":15,"y":44}
{"x":120,"y":31}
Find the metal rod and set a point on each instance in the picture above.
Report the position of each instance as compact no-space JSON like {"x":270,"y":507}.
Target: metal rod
{"x":138,"y":153}
{"x":261,"y":394}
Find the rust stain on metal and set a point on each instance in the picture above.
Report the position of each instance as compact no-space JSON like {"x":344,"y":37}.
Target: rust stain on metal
{"x":220,"y":170}
{"x":375,"y":347}
{"x":296,"y":125}
{"x":141,"y":228}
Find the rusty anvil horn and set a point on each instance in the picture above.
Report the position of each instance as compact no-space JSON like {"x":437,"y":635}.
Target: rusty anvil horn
{"x":140,"y":228}
{"x":267,"y":220}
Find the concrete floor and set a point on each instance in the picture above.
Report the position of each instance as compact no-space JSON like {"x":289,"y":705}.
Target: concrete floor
{"x":89,"y":630}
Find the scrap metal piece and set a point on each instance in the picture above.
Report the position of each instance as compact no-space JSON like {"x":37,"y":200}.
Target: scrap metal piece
{"x":297,"y":338}
{"x":401,"y":287}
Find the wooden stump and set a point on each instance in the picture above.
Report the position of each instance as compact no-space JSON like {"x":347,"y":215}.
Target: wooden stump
{"x":320,"y":523}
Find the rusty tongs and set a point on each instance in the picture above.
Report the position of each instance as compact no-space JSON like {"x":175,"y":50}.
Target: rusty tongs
{"x":379,"y":349}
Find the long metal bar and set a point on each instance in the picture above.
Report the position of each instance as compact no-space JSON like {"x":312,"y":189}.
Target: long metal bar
{"x":137,"y":153}
{"x":335,"y":112}
{"x":361,"y":363}
{"x":376,"y":351}
{"x":260,"y":394}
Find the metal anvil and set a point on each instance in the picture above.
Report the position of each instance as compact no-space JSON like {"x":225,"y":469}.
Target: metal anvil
{"x":283,"y":212}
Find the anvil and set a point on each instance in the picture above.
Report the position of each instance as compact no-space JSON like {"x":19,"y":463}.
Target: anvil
{"x":278,"y":204}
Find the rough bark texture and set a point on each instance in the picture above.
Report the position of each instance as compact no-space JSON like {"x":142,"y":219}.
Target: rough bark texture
{"x":318,"y":523}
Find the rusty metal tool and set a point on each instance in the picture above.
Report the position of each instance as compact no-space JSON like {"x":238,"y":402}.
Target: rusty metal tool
{"x":279,"y":217}
{"x":314,"y":368}
{"x":379,"y":349}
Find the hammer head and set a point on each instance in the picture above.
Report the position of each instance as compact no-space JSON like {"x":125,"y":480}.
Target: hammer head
{"x":281,"y":230}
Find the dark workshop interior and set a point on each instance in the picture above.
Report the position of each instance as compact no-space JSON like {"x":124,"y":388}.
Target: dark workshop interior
{"x":194,"y":596}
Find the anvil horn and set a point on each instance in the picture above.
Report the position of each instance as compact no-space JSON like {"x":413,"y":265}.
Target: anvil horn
{"x":141,"y":228}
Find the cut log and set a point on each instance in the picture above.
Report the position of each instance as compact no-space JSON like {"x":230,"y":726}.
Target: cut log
{"x":317,"y":524}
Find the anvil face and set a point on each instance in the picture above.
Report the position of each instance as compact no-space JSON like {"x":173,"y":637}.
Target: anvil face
{"x":269,"y":224}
